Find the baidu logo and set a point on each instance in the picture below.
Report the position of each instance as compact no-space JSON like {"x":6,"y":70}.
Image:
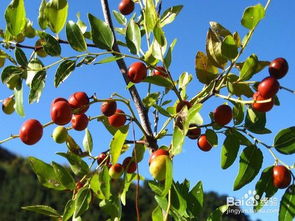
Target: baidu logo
{"x":249,"y":200}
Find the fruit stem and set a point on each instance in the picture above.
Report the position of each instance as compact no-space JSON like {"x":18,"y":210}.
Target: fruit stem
{"x":242,"y":101}
{"x":287,"y":89}
{"x":48,"y":124}
{"x":9,"y":138}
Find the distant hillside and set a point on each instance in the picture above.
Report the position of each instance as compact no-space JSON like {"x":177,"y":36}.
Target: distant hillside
{"x":19,"y":187}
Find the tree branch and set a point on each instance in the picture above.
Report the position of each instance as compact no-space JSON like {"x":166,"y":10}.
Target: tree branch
{"x":142,"y":111}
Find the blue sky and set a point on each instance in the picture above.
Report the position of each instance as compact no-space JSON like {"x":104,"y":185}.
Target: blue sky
{"x":273,"y":38}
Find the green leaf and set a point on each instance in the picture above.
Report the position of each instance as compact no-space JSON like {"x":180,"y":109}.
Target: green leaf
{"x":250,"y":164}
{"x":118,"y":142}
{"x":196,"y":199}
{"x":151,"y":99}
{"x":168,"y":57}
{"x":252,"y":16}
{"x":121,"y":19}
{"x":205,"y":70}
{"x":229,"y":151}
{"x":161,"y":110}
{"x":82,"y":201}
{"x":255,"y":122}
{"x":10,"y":72}
{"x":75,"y":37}
{"x":105,"y":122}
{"x":213,"y":49}
{"x":36,"y":87}
{"x":50,"y":44}
{"x":229,"y":48}
{"x":238,"y":88}
{"x":193,"y":116}
{"x":63,"y":71}
{"x":217,"y":214}
{"x":158,"y":51}
{"x":156,"y":187}
{"x":157,"y":214}
{"x":284,"y":141}
{"x":170,"y":14}
{"x":102,"y":34}
{"x":87,"y":141}
{"x":159,"y":35}
{"x":168,"y":177}
{"x":249,"y":68}
{"x":100,"y":184}
{"x":86,"y":60}
{"x":287,"y":205}
{"x":81,"y":24}
{"x":109,"y":59}
{"x":19,"y":101}
{"x":42,"y":209}
{"x":178,"y":199}
{"x":112,"y":207}
{"x":133,"y":37}
{"x":69,"y":210}
{"x":63,"y":175}
{"x":34,"y":66}
{"x":15,"y":16}
{"x":242,"y":139}
{"x":56,"y":14}
{"x":177,"y":141}
{"x":128,"y":179}
{"x":212,"y":137}
{"x":264,"y":186}
{"x":219,"y":30}
{"x":138,"y":152}
{"x":184,"y":79}
{"x":159,"y":80}
{"x":149,"y":58}
{"x":21,"y":57}
{"x":42,"y":19}
{"x":45,"y":174}
{"x":150,"y":15}
{"x":78,"y":166}
{"x":238,"y":113}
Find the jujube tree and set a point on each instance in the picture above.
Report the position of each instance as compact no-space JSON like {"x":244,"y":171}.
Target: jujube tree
{"x":220,"y":70}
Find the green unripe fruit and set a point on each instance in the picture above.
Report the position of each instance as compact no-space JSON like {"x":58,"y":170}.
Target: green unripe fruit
{"x":8,"y":105}
{"x":116,"y":171}
{"x":60,"y":134}
{"x":158,"y":167}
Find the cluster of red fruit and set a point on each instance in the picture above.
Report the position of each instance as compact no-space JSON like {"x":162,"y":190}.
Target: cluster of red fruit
{"x":115,"y":171}
{"x":116,"y":117}
{"x":269,"y":86}
{"x":222,"y":116}
{"x":62,"y":111}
